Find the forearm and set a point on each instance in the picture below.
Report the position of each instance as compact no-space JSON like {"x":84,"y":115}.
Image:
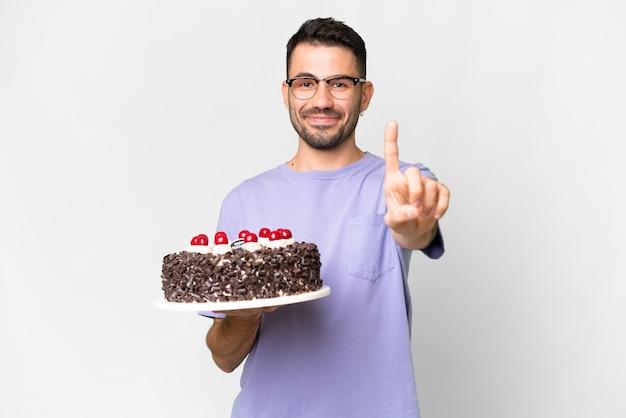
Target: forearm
{"x":231,"y":339}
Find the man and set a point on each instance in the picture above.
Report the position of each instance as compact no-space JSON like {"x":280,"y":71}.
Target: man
{"x":348,"y":354}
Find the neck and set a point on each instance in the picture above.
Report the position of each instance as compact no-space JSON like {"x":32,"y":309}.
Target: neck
{"x":309,"y":159}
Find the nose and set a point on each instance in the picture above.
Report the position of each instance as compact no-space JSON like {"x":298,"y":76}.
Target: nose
{"x":322,"y":98}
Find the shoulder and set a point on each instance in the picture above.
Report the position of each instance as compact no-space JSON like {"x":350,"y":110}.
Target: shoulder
{"x":253,"y":187}
{"x":424,"y":171}
{"x":378,"y":163}
{"x":268,"y":176}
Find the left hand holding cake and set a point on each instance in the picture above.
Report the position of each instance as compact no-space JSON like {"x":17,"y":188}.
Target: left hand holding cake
{"x":414,"y":202}
{"x":230,"y":339}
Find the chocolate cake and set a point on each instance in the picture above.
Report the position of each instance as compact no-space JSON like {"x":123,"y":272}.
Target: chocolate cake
{"x":244,"y":269}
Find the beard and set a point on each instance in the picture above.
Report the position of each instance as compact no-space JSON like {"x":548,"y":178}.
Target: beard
{"x":321,"y":138}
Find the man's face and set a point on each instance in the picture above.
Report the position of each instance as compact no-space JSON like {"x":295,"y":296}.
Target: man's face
{"x":323,"y":121}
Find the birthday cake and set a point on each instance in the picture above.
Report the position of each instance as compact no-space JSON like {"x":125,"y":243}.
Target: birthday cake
{"x":254,"y":266}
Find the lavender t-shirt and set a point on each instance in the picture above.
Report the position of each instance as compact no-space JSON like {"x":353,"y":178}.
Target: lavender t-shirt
{"x":348,"y":354}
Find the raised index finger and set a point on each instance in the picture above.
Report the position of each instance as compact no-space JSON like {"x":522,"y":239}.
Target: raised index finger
{"x":392,"y":163}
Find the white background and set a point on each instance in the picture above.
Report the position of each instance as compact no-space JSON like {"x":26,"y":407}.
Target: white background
{"x":124,"y":123}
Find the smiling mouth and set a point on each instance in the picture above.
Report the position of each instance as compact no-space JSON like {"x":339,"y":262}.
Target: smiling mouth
{"x":321,"y":119}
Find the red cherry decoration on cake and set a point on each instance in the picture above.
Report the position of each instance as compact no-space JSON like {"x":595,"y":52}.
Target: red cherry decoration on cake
{"x":274,"y":236}
{"x":264,"y":233}
{"x":285,"y":233}
{"x":243,"y":233}
{"x":221,"y":238}
{"x":201,"y":239}
{"x":251,"y":237}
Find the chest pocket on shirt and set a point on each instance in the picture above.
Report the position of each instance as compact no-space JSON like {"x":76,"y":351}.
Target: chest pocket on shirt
{"x":371,"y":255}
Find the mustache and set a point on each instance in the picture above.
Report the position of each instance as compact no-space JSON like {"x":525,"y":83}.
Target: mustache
{"x":325,"y":112}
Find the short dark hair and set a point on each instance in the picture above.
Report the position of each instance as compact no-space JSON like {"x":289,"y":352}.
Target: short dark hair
{"x":330,"y":32}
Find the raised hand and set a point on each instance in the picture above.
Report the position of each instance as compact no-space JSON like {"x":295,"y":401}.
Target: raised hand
{"x":414,"y":202}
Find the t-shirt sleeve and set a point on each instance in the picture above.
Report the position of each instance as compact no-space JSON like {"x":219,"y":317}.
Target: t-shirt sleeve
{"x":211,"y":314}
{"x":436,"y":248}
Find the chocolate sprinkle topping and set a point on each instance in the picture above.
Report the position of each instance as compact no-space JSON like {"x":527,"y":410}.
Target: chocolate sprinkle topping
{"x":241,"y":274}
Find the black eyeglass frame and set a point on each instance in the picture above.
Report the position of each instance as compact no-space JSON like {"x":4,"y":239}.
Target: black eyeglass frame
{"x":355,"y":80}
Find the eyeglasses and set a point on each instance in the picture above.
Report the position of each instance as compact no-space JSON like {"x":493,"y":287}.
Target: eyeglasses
{"x":339,"y":86}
